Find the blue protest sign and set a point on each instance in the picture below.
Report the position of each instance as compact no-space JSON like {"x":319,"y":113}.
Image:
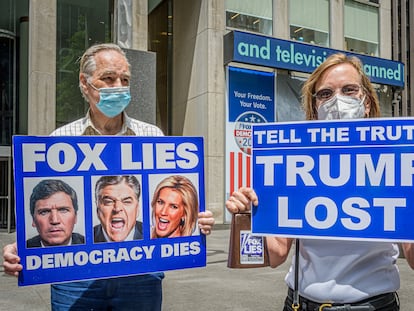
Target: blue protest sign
{"x":97,"y":207}
{"x":335,"y":179}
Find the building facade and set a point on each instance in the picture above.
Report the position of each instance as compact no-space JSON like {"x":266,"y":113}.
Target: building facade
{"x":41,"y":41}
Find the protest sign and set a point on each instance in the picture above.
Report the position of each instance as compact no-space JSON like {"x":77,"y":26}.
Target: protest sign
{"x":335,"y":179}
{"x":103,"y":191}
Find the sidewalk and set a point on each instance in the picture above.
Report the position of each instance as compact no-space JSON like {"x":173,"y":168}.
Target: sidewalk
{"x":212,"y":288}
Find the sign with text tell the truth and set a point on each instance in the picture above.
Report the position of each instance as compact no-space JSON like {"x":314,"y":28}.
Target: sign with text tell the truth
{"x":97,"y":207}
{"x":335,"y":179}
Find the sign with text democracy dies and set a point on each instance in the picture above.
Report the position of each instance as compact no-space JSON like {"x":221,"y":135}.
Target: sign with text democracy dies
{"x":97,"y":207}
{"x":335,"y":179}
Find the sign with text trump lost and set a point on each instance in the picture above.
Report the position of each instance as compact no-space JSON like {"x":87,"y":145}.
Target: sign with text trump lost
{"x":96,"y":207}
{"x":335,"y":179}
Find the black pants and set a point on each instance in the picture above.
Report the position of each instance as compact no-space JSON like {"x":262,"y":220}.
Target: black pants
{"x":390,"y":303}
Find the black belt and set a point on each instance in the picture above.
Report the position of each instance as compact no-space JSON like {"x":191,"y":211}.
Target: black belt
{"x":388,"y":301}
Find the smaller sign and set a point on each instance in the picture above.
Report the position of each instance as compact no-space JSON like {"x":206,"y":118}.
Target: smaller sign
{"x":251,"y":248}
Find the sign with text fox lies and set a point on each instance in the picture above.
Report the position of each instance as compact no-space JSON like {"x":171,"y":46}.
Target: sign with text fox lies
{"x":97,"y":207}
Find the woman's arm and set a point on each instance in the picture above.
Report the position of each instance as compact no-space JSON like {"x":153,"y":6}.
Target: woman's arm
{"x":278,"y":250}
{"x":408,"y":249}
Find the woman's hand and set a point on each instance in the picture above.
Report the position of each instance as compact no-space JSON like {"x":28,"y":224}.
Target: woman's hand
{"x":241,"y":200}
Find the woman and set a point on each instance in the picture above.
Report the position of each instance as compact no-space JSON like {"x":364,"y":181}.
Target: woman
{"x":345,"y":274}
{"x":174,"y":207}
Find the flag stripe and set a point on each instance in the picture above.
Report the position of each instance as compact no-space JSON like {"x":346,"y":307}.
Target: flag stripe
{"x":248,"y":171}
{"x":240,"y":172}
{"x":232,"y":172}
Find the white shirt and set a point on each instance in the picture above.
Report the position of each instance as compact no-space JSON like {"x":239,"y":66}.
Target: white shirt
{"x":84,"y":126}
{"x":345,"y":271}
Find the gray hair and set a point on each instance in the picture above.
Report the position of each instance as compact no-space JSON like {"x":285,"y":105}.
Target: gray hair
{"x":105,"y":181}
{"x":88,"y":62}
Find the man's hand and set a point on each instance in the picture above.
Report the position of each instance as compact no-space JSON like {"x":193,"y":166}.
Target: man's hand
{"x":205,"y":222}
{"x":11,"y":261}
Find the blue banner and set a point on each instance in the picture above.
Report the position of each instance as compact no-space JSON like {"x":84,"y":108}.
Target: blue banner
{"x":251,"y":91}
{"x":292,"y":55}
{"x":335,"y":179}
{"x":96,"y":207}
{"x":250,"y":100}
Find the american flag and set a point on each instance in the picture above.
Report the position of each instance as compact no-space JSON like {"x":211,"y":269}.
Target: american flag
{"x":240,"y":170}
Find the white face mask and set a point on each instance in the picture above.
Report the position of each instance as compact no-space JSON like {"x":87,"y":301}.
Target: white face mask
{"x":342,"y":107}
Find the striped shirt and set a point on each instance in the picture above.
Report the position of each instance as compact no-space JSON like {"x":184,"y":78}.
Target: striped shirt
{"x":131,"y":127}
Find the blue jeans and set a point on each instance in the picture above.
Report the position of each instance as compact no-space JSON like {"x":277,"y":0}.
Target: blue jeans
{"x":139,"y":292}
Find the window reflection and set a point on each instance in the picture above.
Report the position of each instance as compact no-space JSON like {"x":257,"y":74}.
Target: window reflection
{"x":361,"y":27}
{"x":250,"y":23}
{"x":309,"y":21}
{"x":254,"y":16}
{"x":309,"y":35}
{"x":80,"y":24}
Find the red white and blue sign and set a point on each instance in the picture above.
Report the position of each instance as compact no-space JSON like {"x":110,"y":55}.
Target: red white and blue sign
{"x":81,"y":162}
{"x":250,"y":100}
{"x":341,"y":179}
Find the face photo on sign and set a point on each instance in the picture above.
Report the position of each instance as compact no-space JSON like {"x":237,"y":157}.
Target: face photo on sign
{"x":174,"y":205}
{"x":54,"y":211}
{"x":117,"y":215}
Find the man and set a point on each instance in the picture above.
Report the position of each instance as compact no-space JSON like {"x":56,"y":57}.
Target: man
{"x":117,"y":199}
{"x":54,"y":207}
{"x":104,"y":82}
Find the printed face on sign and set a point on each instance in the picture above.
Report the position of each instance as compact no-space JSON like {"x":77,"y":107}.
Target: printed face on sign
{"x":169,"y":213}
{"x":54,"y":219}
{"x":117,"y":210}
{"x":175,"y":207}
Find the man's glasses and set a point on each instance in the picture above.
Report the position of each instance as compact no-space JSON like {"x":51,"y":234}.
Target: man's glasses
{"x":347,"y":90}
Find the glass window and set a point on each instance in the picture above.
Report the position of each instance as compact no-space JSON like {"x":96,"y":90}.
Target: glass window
{"x":385,"y":97}
{"x":361,"y":28}
{"x":288,"y":96}
{"x":7,"y":91}
{"x":255,"y":16}
{"x":159,"y":41}
{"x":309,"y":21}
{"x":7,"y":20}
{"x":80,"y":24}
{"x":7,"y":72}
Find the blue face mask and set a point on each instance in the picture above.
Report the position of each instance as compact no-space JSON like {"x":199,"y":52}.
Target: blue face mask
{"x":113,"y":100}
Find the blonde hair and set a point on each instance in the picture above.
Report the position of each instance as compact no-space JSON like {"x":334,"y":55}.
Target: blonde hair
{"x":308,"y":89}
{"x":189,"y":197}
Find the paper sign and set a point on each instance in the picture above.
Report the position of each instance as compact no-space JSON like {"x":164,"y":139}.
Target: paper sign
{"x":335,"y":179}
{"x":102,"y":189}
